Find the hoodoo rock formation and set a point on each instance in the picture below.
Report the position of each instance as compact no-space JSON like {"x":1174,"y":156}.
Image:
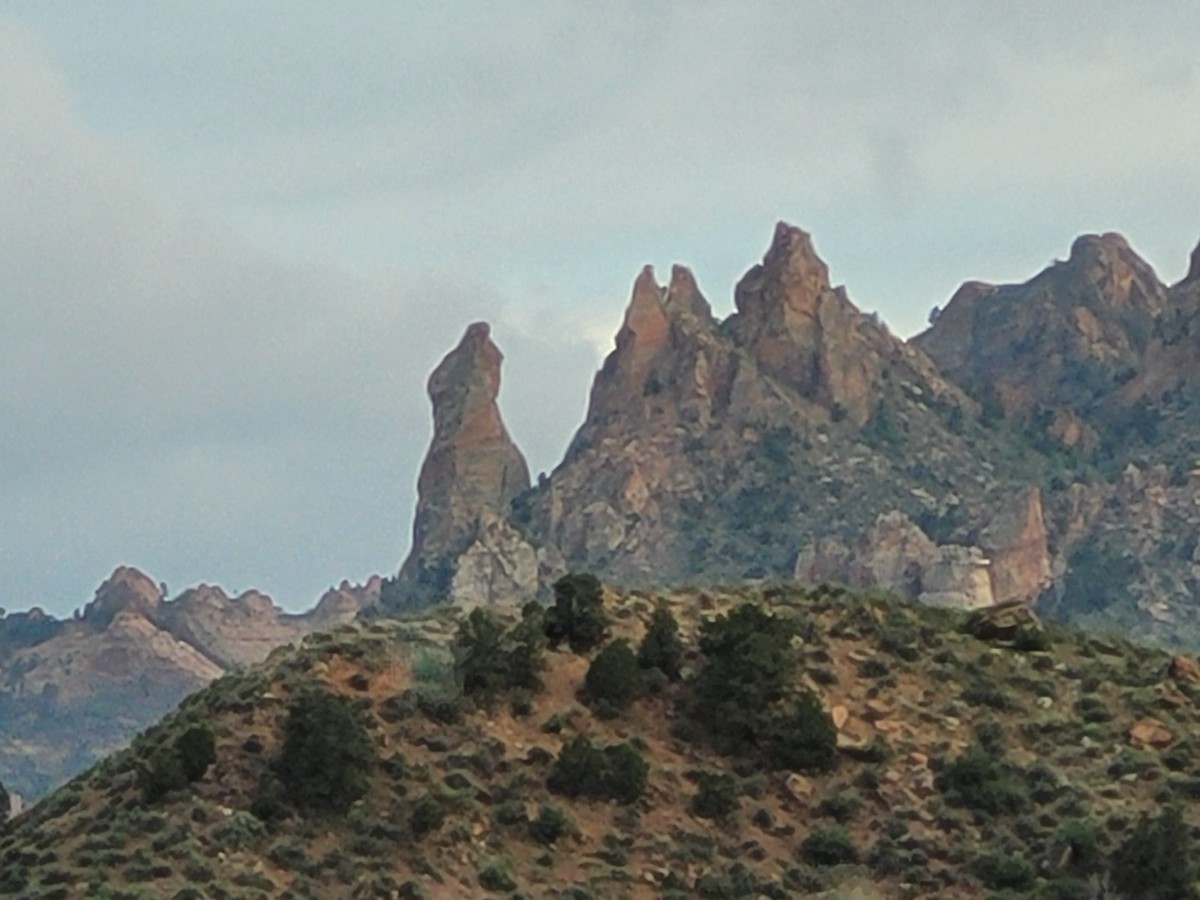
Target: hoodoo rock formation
{"x":984,"y":462}
{"x":464,"y":547}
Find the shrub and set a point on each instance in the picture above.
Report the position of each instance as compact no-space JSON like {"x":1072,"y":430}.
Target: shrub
{"x":617,"y":772}
{"x":803,"y":738}
{"x":496,"y":878}
{"x":717,"y":796}
{"x":160,"y":774}
{"x":842,"y":806}
{"x":662,"y":648}
{"x":483,"y":662}
{"x":577,"y":616}
{"x":427,"y":815}
{"x":327,"y":752}
{"x":492,"y":661}
{"x":550,"y":825}
{"x":1001,"y":871}
{"x":1079,"y":841}
{"x":1154,"y":862}
{"x":613,"y":680}
{"x":197,"y":749}
{"x":748,"y":670}
{"x":828,"y":847}
{"x":979,"y":780}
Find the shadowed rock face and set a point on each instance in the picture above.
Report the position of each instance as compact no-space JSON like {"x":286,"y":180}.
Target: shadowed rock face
{"x":472,"y":471}
{"x":1051,"y":344}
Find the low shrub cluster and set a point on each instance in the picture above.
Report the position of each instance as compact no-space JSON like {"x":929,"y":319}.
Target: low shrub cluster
{"x":616,"y":772}
{"x":173,"y":766}
{"x":492,"y":661}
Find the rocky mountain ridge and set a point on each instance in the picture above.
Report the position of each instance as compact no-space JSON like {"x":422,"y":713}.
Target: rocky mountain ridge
{"x":985,"y":460}
{"x":73,"y":690}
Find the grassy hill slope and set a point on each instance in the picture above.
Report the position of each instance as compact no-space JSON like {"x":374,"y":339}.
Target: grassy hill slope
{"x":936,"y":764}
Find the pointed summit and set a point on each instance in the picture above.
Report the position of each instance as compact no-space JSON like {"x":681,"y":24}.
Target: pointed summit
{"x":473,"y":469}
{"x":803,"y":332}
{"x":1118,"y":275}
{"x":792,"y":259}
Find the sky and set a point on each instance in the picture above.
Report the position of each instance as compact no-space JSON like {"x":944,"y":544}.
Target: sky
{"x":236,"y":237}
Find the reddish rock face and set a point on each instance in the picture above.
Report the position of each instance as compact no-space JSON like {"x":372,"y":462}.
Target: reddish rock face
{"x":472,"y":468}
{"x":1026,"y":345}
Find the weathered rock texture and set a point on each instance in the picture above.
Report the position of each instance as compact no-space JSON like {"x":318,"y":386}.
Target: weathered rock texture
{"x":1010,"y":561}
{"x":710,"y":449}
{"x":463,"y":548}
{"x":1049,"y":347}
{"x":1037,"y":444}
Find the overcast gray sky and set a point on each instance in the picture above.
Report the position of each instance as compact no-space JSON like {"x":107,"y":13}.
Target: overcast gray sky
{"x":235,"y":237}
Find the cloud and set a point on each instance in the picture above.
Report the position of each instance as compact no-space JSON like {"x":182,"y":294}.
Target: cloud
{"x":182,"y":401}
{"x":235,"y":238}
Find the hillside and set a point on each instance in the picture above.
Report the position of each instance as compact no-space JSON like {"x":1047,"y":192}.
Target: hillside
{"x":933,"y":763}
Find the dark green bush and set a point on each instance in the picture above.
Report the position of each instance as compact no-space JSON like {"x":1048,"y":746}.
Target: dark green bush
{"x":578,"y":615}
{"x":617,"y":772}
{"x":802,"y":737}
{"x":492,"y":661}
{"x":662,"y":648}
{"x":980,"y":780}
{"x":160,"y":774}
{"x":1079,"y":847}
{"x":197,"y":749}
{"x":842,"y":806}
{"x":496,"y":878}
{"x":831,"y":846}
{"x":550,"y":825}
{"x":613,"y":680}
{"x":427,"y":815}
{"x":325,"y":760}
{"x":1003,"y":871}
{"x":716,"y":797}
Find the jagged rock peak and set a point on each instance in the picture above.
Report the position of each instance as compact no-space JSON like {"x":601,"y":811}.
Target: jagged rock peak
{"x":1107,"y":261}
{"x":645,"y":322}
{"x":126,"y":589}
{"x":683,"y":296}
{"x":467,"y":380}
{"x":472,"y":467}
{"x":792,"y":256}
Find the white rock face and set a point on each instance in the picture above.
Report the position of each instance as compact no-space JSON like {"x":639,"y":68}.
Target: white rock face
{"x":499,"y":565}
{"x":896,"y":555}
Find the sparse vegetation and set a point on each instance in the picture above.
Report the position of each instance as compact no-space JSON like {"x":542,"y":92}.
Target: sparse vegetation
{"x":575,"y":803}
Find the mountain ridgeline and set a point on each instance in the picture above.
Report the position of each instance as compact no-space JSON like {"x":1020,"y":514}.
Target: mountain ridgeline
{"x":1037,"y":443}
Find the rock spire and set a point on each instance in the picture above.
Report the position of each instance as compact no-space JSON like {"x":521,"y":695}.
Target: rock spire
{"x":471,"y":473}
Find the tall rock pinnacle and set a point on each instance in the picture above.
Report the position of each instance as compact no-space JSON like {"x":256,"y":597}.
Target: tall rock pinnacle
{"x":802,"y":331}
{"x":472,"y":471}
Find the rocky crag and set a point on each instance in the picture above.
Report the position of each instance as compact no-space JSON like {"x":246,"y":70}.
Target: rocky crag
{"x":1037,"y":443}
{"x":73,"y":690}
